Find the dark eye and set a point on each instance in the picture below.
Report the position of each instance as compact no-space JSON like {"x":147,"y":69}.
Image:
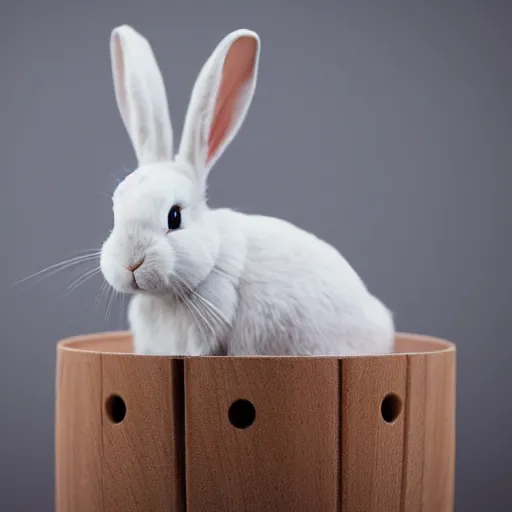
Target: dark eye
{"x":174,"y":218}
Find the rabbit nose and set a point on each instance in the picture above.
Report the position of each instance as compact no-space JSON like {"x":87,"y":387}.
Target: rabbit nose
{"x":135,"y":266}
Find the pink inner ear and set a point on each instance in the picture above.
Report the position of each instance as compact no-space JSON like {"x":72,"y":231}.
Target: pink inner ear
{"x":237,"y":72}
{"x":120,"y":70}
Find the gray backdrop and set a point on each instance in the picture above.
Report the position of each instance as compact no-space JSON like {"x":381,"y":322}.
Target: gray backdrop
{"x":384,"y":127}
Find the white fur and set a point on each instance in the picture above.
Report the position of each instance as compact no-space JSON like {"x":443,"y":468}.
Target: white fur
{"x":226,"y":283}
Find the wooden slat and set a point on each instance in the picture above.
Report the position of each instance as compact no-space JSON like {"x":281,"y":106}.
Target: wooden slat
{"x":439,"y":449}
{"x":143,"y":455}
{"x":372,"y":450}
{"x":412,"y":491}
{"x":287,"y":459}
{"x":78,"y":444}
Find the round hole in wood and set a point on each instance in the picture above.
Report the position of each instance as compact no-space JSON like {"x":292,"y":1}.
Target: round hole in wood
{"x":391,"y":407}
{"x":242,"y":413}
{"x":116,"y":408}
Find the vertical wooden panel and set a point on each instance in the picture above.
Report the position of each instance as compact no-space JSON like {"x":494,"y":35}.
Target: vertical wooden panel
{"x":78,"y":443}
{"x":412,"y":492}
{"x":143,"y":455}
{"x":439,"y":450}
{"x":287,"y":460}
{"x":372,"y":450}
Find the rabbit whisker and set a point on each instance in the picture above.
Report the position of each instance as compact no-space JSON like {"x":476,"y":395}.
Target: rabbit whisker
{"x":57,"y":267}
{"x":210,"y":309}
{"x":79,"y":281}
{"x":187,"y":304}
{"x":121,"y":313}
{"x":206,"y":305}
{"x":111,"y":294}
{"x":100,"y":294}
{"x":108,"y":298}
{"x":201,"y":315}
{"x":105,"y":195}
{"x":206,"y":311}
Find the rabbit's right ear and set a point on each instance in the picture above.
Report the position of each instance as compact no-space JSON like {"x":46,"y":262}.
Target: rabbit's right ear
{"x":220,"y":99}
{"x":140,"y":95}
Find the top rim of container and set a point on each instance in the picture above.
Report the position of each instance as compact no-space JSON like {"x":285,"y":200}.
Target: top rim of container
{"x":88,"y":344}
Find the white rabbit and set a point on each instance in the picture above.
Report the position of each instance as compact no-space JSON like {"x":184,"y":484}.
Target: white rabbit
{"x":218,"y":282}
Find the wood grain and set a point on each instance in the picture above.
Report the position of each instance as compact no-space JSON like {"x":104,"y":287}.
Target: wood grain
{"x":372,"y":450}
{"x":414,"y":441}
{"x":78,"y":443}
{"x":287,"y":460}
{"x":143,"y":455}
{"x":429,"y":458}
{"x":439,"y":449}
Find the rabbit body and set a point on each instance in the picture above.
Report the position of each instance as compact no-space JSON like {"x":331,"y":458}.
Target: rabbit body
{"x":219,"y":282}
{"x":278,"y":290}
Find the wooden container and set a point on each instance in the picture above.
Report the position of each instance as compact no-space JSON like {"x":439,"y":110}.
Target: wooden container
{"x":276,"y":434}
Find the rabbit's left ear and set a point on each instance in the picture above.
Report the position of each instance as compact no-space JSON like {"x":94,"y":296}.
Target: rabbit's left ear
{"x":220,"y":100}
{"x":140,"y":95}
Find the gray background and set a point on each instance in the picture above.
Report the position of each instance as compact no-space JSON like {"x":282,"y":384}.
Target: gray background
{"x":384,"y":127}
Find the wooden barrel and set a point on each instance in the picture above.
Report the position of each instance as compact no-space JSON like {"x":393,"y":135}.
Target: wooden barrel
{"x":276,"y":434}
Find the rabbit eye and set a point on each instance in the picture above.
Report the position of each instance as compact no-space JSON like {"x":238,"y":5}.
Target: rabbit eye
{"x":174,"y":218}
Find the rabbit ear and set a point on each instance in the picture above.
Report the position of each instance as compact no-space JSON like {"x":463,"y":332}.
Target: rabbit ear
{"x":220,"y":100}
{"x":140,"y":95}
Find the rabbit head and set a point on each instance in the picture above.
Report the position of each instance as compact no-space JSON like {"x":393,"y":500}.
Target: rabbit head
{"x":162,"y":234}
